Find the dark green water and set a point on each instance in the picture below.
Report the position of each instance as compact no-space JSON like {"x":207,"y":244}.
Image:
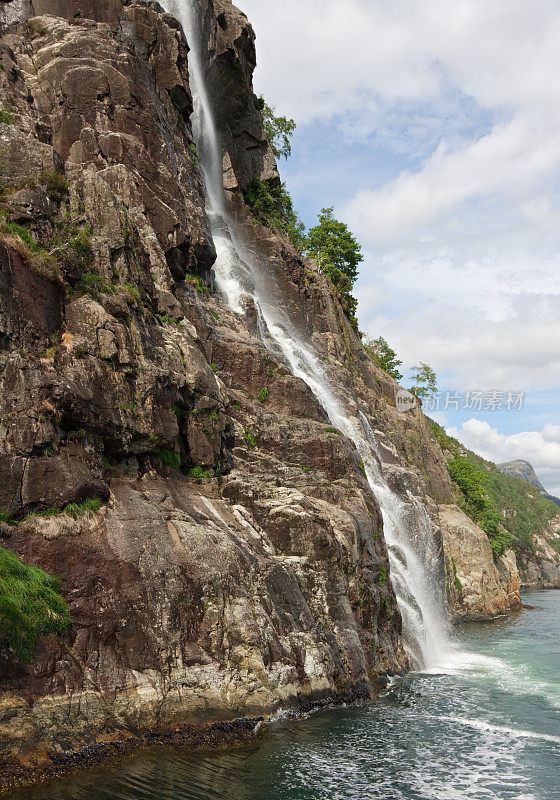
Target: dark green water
{"x":486,"y":726}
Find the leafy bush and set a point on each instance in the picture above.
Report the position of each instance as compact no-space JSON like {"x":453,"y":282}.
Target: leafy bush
{"x":200,"y":472}
{"x":472,"y":484}
{"x":262,"y":395}
{"x":382,"y":575}
{"x":250,"y":439}
{"x":93,"y":284}
{"x":337,"y":253}
{"x":273,"y":207}
{"x":330,"y":242}
{"x":508,"y":509}
{"x":30,"y":604}
{"x":499,"y":537}
{"x":197,"y":282}
{"x":70,"y":247}
{"x":425,"y":380}
{"x":24,"y":235}
{"x":445,"y":442}
{"x":167,"y":318}
{"x":131,"y":289}
{"x":6,"y":115}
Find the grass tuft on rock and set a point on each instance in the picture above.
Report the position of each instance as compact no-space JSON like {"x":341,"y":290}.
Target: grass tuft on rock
{"x":169,"y":458}
{"x":30,"y":604}
{"x":56,"y":185}
{"x":6,"y":115}
{"x":88,"y":506}
{"x":200,"y":472}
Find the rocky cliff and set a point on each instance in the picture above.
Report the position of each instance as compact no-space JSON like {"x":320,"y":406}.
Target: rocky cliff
{"x":539,"y":564}
{"x":524,"y":471}
{"x":479,"y":586}
{"x":539,"y":567}
{"x":237,"y":562}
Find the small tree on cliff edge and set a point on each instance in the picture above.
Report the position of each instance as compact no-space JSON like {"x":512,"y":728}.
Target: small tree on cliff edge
{"x":425,"y":380}
{"x":277,"y":130}
{"x":338,"y":254}
{"x":330,"y":242}
{"x":383,"y":355}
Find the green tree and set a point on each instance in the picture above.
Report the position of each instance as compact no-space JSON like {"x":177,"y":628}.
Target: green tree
{"x":331,"y":243}
{"x":425,"y":380}
{"x":477,"y":504}
{"x":278,"y":130}
{"x":383,"y":355}
{"x":338,"y":254}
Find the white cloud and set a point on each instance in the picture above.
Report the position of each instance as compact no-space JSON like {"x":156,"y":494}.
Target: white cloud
{"x":540,"y":448}
{"x":463,"y":247}
{"x":512,"y":158}
{"x":520,"y":350}
{"x":326,"y":57}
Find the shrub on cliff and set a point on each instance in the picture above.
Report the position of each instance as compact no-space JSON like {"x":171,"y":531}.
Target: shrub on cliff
{"x":6,"y":115}
{"x":331,"y":244}
{"x":477,"y":505}
{"x":273,"y":207}
{"x":56,"y":185}
{"x":30,"y":604}
{"x":513,"y":510}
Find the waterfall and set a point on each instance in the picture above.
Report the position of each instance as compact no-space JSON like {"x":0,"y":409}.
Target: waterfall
{"x":238,"y":277}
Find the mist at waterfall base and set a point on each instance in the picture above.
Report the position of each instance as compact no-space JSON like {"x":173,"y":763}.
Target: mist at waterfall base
{"x":240,"y":278}
{"x":487,"y":729}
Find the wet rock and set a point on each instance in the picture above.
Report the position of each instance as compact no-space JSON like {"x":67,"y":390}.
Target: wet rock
{"x":478,"y":588}
{"x":194,"y":599}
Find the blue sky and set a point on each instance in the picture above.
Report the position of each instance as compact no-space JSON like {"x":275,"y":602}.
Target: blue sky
{"x":433,"y":129}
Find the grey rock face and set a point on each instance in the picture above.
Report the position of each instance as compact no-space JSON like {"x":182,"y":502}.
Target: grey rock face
{"x":12,"y":11}
{"x":478,"y":587}
{"x":193,"y":598}
{"x":249,"y":578}
{"x":524,"y":471}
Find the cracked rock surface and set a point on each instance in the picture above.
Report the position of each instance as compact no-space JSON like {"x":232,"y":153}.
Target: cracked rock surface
{"x":234,"y":566}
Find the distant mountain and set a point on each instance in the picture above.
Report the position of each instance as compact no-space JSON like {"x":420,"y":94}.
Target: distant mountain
{"x":524,"y":471}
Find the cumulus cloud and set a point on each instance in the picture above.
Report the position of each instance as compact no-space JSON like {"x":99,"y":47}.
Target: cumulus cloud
{"x":462,"y":238}
{"x":540,"y":448}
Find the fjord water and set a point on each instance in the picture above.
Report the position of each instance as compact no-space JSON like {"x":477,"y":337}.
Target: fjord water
{"x":486,"y":727}
{"x":241,"y":277}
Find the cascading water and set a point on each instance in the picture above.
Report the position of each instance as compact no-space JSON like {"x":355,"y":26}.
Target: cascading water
{"x":239,"y":278}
